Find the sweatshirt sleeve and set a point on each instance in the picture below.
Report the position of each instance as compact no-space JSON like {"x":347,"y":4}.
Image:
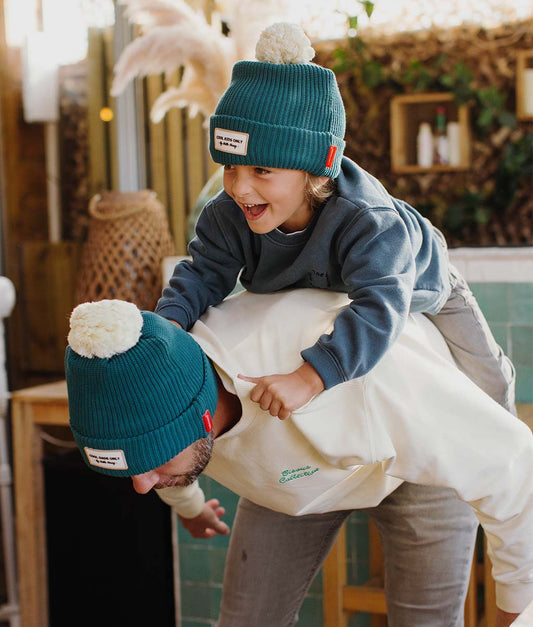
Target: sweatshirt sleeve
{"x":502,"y":500}
{"x":378,"y":265}
{"x":187,"y":502}
{"x":457,"y":437}
{"x":208,"y":277}
{"x":509,"y":531}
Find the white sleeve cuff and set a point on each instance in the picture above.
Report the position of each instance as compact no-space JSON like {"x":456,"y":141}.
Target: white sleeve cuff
{"x":514,"y":597}
{"x":187,"y":502}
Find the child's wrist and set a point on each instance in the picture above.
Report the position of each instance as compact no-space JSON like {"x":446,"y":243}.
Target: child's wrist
{"x":311,"y":378}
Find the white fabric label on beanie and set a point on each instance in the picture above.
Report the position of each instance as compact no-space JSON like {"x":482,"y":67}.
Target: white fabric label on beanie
{"x":112,"y":460}
{"x":231,"y":141}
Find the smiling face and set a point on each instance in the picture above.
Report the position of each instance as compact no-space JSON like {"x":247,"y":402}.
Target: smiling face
{"x":270,"y":198}
{"x":181,"y":470}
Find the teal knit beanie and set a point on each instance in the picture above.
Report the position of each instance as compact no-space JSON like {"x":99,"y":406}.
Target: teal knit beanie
{"x":140,"y":389}
{"x":280,"y":111}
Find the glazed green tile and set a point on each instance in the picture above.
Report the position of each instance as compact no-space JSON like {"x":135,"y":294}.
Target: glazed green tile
{"x":197,"y":623}
{"x":216,"y":600}
{"x":185,"y":538}
{"x":500,"y":331}
{"x":357,"y":547}
{"x":316,"y":585}
{"x":205,"y":483}
{"x":217,"y":557}
{"x":524,"y":385}
{"x":222,"y":541}
{"x":362,"y":545}
{"x":195,"y":564}
{"x":358,"y":566}
{"x":227,"y":498}
{"x":195,"y":601}
{"x":358,"y":517}
{"x":199,"y":601}
{"x":522,"y":345}
{"x":493,"y":298}
{"x":311,"y":613}
{"x":351,"y":569}
{"x":521,"y":303}
{"x":361,"y":619}
{"x":356,"y":528}
{"x":357,"y":542}
{"x":350,"y":541}
{"x":360,"y":575}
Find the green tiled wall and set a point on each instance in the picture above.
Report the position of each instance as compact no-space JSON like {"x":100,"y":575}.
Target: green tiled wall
{"x":508,"y":308}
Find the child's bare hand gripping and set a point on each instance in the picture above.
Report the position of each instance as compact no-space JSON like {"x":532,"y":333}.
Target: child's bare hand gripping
{"x":280,"y":394}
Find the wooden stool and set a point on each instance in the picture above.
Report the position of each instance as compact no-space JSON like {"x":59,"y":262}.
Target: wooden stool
{"x":340,"y":600}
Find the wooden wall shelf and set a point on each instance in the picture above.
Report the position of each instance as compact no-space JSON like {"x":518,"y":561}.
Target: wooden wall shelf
{"x":524,"y":85}
{"x":407,"y":112}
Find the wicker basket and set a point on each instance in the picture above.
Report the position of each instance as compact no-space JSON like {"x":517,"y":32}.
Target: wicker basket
{"x":127,"y":240}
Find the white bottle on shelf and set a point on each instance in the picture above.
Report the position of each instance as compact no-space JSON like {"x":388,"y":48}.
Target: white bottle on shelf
{"x":528,"y":92}
{"x":424,"y":145}
{"x":454,"y":142}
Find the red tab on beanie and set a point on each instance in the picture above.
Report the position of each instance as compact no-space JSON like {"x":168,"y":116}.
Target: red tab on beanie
{"x":331,"y":156}
{"x":208,"y":422}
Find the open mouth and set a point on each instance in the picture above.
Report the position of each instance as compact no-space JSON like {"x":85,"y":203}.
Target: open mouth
{"x":254,"y":212}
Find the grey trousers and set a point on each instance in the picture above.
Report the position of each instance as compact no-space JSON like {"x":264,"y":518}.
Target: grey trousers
{"x":470,"y":340}
{"x":428,"y":537}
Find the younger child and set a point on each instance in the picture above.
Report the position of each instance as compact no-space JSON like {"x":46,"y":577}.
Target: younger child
{"x":296,"y":213}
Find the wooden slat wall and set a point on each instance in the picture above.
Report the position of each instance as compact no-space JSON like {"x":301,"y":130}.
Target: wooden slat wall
{"x":177,"y":190}
{"x":107,"y":75}
{"x":177,"y":159}
{"x":99,"y":139}
{"x":178,"y":162}
{"x":155,"y":134}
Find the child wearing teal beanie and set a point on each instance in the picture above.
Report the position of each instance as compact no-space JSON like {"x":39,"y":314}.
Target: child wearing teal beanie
{"x":296,"y":213}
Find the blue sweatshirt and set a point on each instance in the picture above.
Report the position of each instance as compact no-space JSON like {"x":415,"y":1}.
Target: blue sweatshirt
{"x":379,"y":250}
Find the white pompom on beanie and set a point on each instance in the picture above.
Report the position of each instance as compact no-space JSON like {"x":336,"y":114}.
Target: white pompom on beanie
{"x":113,"y":327}
{"x":140,"y":389}
{"x":284,"y":43}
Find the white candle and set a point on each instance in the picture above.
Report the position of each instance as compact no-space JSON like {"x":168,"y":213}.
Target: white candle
{"x":528,"y":91}
{"x":454,"y":141}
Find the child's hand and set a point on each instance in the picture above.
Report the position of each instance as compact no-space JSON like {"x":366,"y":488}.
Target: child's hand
{"x":280,"y":394}
{"x":207,"y":524}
